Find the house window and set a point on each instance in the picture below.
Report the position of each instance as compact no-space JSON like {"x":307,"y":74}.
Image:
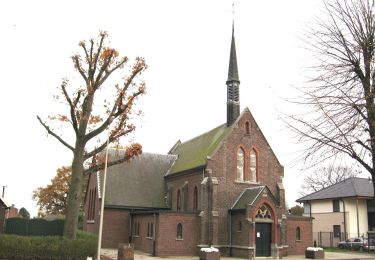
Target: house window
{"x":239,"y":226}
{"x":178,"y":200}
{"x":336,"y":205}
{"x":179,"y":231}
{"x":253,"y":166}
{"x":91,"y":208}
{"x":240,"y":164}
{"x":247,"y":128}
{"x":150,"y":230}
{"x":136,"y":228}
{"x":195,"y":199}
{"x":306,"y":208}
{"x":337,"y":231}
{"x":298,"y":233}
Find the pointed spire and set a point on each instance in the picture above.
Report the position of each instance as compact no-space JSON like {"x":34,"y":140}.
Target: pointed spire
{"x":233,"y":85}
{"x":233,"y":70}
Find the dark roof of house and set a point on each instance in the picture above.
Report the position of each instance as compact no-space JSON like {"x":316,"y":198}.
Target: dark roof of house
{"x":247,"y":197}
{"x":7,"y":205}
{"x":352,"y":187}
{"x":193,"y":153}
{"x":139,"y":182}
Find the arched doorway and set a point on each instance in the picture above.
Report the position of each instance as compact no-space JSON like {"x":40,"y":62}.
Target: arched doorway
{"x":263,"y":231}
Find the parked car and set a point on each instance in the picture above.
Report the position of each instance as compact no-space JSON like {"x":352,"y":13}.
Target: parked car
{"x":369,"y":244}
{"x":357,"y":243}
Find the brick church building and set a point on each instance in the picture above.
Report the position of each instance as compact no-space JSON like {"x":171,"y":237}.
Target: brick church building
{"x":223,"y":188}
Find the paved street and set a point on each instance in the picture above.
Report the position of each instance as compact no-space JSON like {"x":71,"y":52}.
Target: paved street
{"x":112,"y":253}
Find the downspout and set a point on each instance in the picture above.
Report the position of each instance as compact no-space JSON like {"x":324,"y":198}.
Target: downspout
{"x":209,"y":209}
{"x":230,"y":232}
{"x":130,"y":226}
{"x":356,"y":205}
{"x":344,"y":212}
{"x":154,"y":237}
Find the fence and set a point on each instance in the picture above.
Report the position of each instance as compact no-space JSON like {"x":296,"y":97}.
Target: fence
{"x":328,"y":239}
{"x":34,"y":227}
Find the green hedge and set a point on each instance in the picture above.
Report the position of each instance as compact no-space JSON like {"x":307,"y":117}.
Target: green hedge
{"x":34,"y":227}
{"x":48,"y":247}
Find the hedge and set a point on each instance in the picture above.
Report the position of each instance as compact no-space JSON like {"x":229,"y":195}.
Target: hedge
{"x":34,"y":227}
{"x":47,"y":247}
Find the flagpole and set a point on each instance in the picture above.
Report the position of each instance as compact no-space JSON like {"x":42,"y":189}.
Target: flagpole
{"x":103,"y":197}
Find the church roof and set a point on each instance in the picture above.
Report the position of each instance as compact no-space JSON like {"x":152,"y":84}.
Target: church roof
{"x":193,"y":153}
{"x":138,"y":183}
{"x":352,"y":187}
{"x":250,"y":195}
{"x":247,"y":197}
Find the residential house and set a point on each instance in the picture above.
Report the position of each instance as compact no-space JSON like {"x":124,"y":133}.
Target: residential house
{"x":4,"y":208}
{"x":341,"y":211}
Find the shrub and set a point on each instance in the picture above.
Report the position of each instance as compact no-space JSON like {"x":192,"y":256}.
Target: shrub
{"x":48,"y":247}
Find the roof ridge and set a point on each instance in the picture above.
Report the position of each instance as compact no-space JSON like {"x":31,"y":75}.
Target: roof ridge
{"x":260,"y":191}
{"x":209,"y":131}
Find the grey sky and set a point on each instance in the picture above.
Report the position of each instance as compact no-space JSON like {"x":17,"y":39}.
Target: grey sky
{"x":186,"y":45}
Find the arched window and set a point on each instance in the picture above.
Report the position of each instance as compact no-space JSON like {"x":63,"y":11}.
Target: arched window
{"x":178,"y":200}
{"x":179,"y":231}
{"x":195,"y":199}
{"x":298,"y":233}
{"x":247,"y":128}
{"x":253,"y":165}
{"x":240,"y":164}
{"x":239,"y":226}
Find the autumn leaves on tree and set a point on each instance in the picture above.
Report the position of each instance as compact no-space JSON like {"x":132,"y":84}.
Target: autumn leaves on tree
{"x":89,"y":114}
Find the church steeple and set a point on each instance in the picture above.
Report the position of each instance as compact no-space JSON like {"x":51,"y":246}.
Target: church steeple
{"x":233,"y":85}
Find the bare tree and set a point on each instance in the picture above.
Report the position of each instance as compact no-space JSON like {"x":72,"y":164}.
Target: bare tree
{"x":338,"y":99}
{"x":91,"y":110}
{"x":326,"y":176}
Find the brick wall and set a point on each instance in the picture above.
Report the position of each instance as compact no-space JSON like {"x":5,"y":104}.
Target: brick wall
{"x":240,"y":235}
{"x":297,"y":247}
{"x":223,"y":165}
{"x":143,"y":241}
{"x":167,"y":243}
{"x":193,"y":180}
{"x":91,"y":225}
{"x":116,"y":226}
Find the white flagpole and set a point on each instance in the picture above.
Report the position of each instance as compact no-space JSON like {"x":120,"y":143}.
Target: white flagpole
{"x":103,"y":197}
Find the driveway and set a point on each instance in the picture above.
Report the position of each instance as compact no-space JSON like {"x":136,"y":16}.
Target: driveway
{"x":112,"y":254}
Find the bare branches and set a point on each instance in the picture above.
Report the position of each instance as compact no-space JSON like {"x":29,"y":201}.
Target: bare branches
{"x":55,"y":135}
{"x":326,"y":176}
{"x":338,"y":100}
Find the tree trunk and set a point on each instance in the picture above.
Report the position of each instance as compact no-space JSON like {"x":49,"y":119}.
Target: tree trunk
{"x":75,"y":192}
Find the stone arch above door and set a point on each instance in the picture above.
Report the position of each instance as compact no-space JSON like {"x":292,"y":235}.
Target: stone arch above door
{"x":264,"y":212}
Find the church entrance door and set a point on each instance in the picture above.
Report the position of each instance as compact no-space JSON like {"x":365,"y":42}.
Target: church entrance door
{"x":263,"y":239}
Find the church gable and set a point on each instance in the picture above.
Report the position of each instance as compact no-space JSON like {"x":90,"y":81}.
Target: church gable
{"x":245,"y":156}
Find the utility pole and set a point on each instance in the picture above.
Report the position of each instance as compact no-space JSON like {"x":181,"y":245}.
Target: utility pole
{"x":3,"y":191}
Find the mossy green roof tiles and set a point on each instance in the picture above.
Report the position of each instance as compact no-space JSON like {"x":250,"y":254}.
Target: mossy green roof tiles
{"x":193,"y":153}
{"x":247,"y":197}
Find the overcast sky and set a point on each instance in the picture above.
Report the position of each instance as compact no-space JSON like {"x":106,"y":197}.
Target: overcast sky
{"x":186,"y":45}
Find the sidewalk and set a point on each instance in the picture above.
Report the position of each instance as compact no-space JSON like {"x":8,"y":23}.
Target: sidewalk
{"x":112,"y":254}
